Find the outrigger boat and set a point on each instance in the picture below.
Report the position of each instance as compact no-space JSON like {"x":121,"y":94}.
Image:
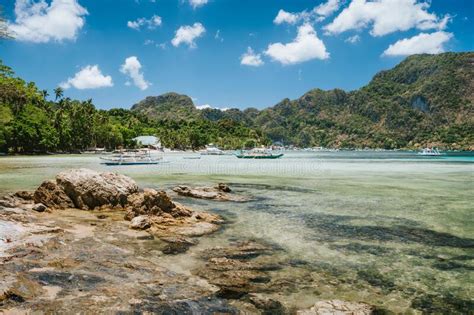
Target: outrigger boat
{"x":131,"y":158}
{"x":258,"y":154}
{"x":212,"y":150}
{"x":429,"y":152}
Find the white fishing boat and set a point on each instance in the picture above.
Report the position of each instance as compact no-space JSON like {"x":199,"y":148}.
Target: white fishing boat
{"x":259,"y":153}
{"x":141,"y":157}
{"x":212,"y":150}
{"x":429,"y":152}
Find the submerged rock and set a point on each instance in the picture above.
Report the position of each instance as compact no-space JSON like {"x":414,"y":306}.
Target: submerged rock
{"x":39,"y":207}
{"x":338,"y":307}
{"x":267,"y":305}
{"x":176,"y":245}
{"x":221,"y":192}
{"x":234,"y":271}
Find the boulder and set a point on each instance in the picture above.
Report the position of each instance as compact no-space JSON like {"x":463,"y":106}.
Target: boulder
{"x":52,"y":195}
{"x":338,"y":307}
{"x":141,"y":222}
{"x":89,"y":189}
{"x":152,"y":202}
{"x":221,"y":192}
{"x":223,"y":187}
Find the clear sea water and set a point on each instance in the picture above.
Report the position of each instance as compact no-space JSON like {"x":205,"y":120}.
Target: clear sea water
{"x":390,"y":228}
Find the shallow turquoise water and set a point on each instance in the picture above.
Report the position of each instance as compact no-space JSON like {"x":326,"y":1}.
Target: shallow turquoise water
{"x":389,"y":228}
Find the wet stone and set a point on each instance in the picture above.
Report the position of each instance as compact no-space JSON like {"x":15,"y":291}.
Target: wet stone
{"x":201,"y":306}
{"x":68,"y":280}
{"x":267,"y":305}
{"x":176,"y":245}
{"x":39,"y":207}
{"x":220,"y":192}
{"x":235,"y":270}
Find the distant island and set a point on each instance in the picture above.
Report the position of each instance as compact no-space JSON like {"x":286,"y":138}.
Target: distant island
{"x":426,"y":100}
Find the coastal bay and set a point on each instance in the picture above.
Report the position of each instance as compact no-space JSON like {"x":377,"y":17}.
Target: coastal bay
{"x":390,"y":229}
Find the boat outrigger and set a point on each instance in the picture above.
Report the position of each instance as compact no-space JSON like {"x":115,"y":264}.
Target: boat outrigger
{"x":430,"y":152}
{"x":131,"y":158}
{"x":258,"y":154}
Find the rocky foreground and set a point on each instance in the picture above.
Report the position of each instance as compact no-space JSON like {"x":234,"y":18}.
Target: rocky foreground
{"x":89,"y":242}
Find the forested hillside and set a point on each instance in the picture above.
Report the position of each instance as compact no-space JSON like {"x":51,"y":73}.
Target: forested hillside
{"x":426,"y":100}
{"x":30,"y":123}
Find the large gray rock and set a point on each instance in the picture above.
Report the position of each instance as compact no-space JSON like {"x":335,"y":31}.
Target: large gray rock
{"x":338,"y":307}
{"x":89,"y":189}
{"x":85,"y":189}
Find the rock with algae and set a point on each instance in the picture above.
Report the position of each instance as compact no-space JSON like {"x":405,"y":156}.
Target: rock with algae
{"x":221,"y":192}
{"x":338,"y":307}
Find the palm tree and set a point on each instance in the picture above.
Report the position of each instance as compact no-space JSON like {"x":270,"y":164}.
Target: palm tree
{"x":58,"y":92}
{"x":45,"y":94}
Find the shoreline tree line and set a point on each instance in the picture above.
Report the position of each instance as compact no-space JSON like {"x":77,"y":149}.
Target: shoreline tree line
{"x":30,"y":122}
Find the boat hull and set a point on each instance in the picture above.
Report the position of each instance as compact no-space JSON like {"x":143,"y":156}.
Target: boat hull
{"x":261,"y":157}
{"x":130,"y":163}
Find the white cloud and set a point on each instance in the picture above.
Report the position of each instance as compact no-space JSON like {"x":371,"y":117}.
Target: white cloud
{"x":423,"y":43}
{"x":187,"y":34}
{"x":218,"y":36}
{"x":319,"y":13}
{"x":386,"y":16}
{"x":151,"y":23}
{"x":286,"y":17}
{"x":328,"y":8}
{"x":353,"y":39}
{"x":306,"y":46}
{"x":89,"y":77}
{"x":40,"y":22}
{"x":198,"y":3}
{"x":250,"y":58}
{"x":207,"y":106}
{"x":132,"y":68}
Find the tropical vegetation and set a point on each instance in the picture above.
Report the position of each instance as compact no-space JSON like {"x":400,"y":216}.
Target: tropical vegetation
{"x":427,"y":100}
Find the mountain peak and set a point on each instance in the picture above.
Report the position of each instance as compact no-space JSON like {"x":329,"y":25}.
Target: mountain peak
{"x":170,"y":106}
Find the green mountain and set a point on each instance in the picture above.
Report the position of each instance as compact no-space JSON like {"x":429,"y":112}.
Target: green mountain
{"x":169,"y":106}
{"x":426,"y":100}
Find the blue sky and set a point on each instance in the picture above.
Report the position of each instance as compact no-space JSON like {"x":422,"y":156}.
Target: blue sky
{"x":119,"y":51}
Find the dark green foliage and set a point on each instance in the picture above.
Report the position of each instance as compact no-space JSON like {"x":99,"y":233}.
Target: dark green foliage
{"x":426,"y":100}
{"x":29,"y":123}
